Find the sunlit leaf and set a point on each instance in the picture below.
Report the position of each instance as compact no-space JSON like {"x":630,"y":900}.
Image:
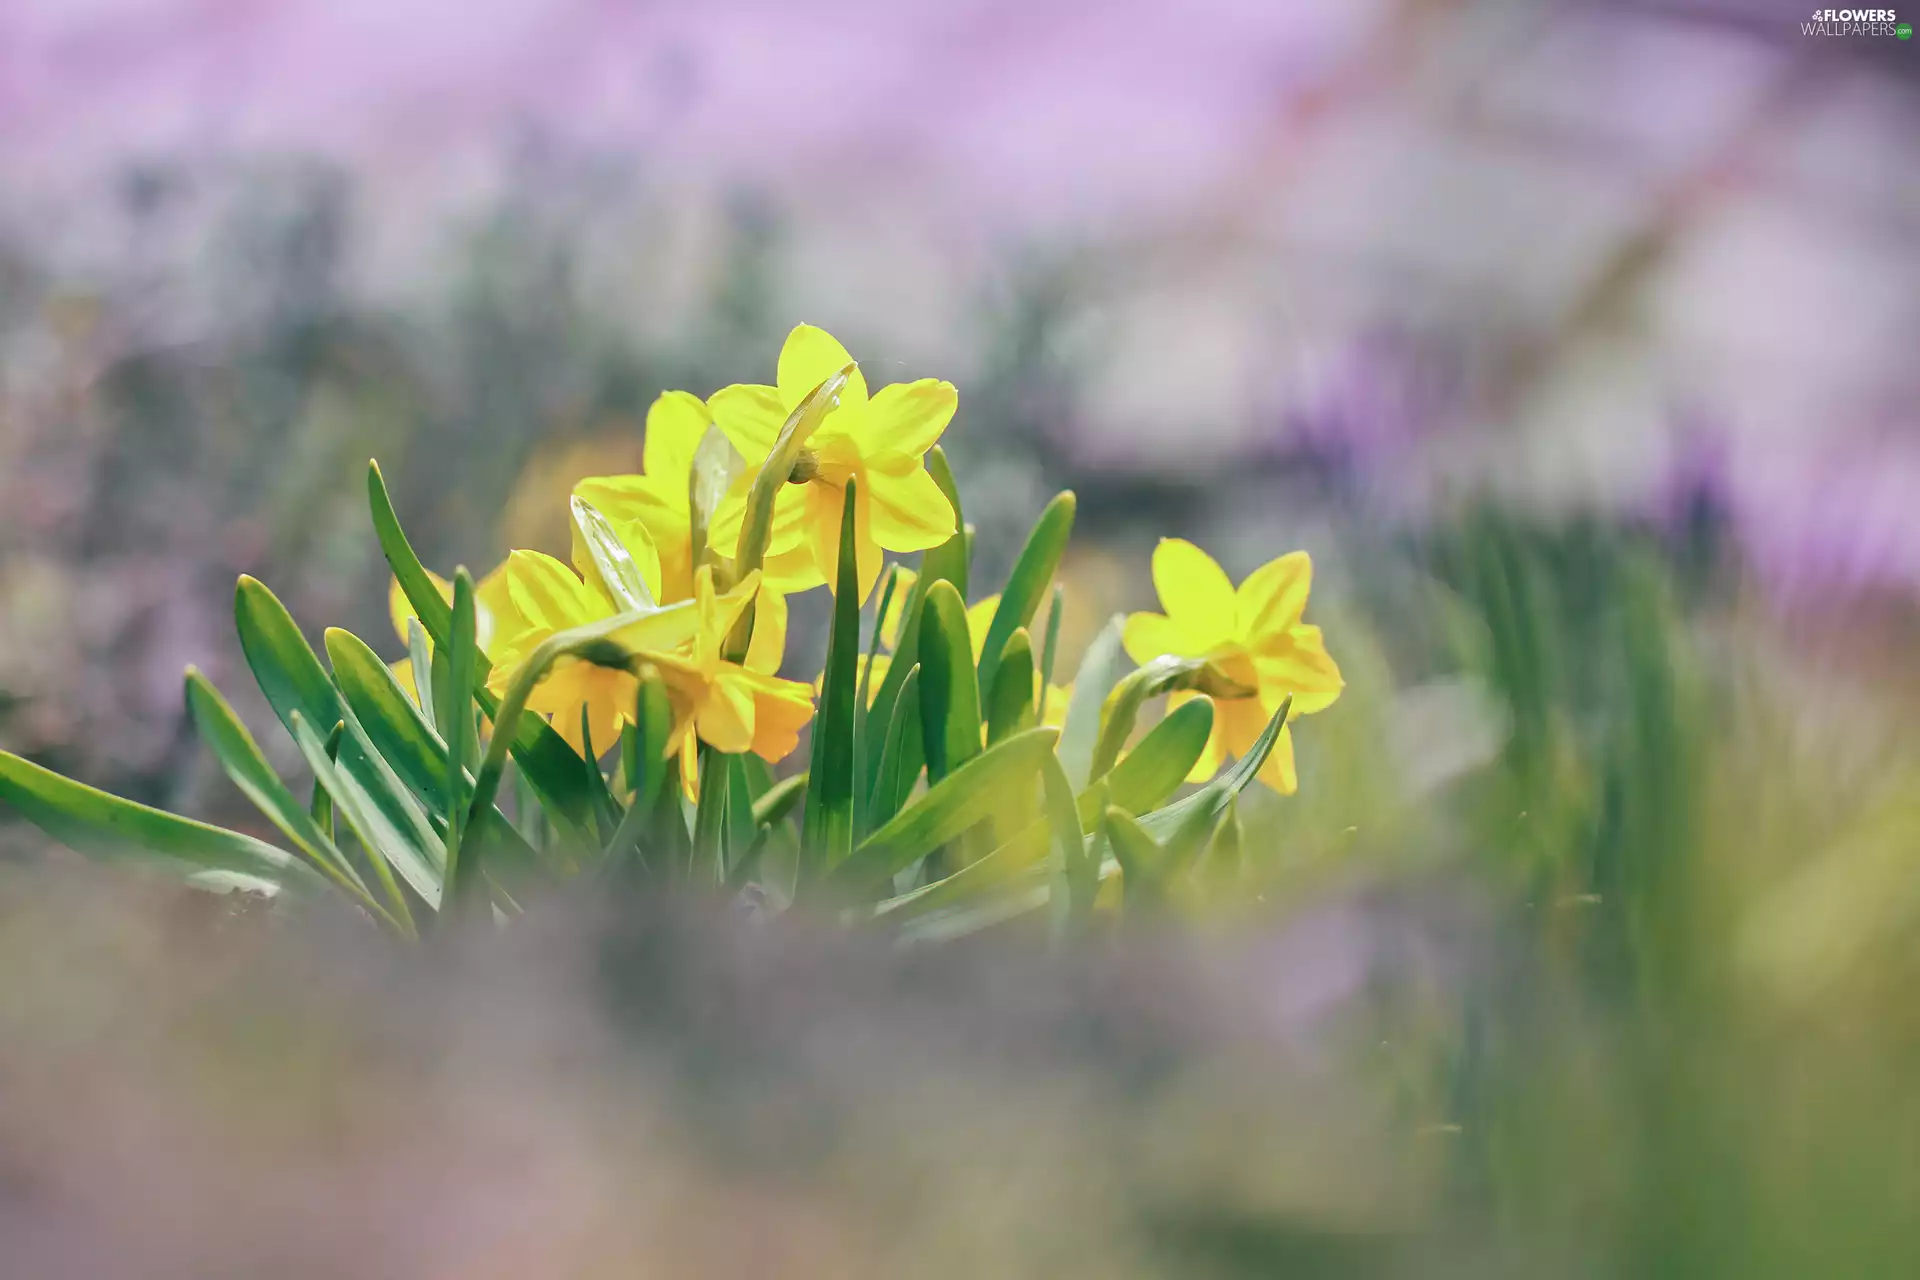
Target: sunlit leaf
{"x":1027,"y":584}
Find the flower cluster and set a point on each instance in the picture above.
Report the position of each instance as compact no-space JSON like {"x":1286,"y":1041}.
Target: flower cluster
{"x":1252,"y":638}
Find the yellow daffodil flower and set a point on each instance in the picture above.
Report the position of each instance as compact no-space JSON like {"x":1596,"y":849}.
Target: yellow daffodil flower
{"x":1253,"y":636}
{"x":880,"y":441}
{"x":732,"y":707}
{"x":492,"y":612}
{"x":660,"y":500}
{"x":549,"y":597}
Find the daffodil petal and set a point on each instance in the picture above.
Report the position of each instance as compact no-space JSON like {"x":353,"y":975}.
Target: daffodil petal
{"x":1195,"y":592}
{"x":909,"y":510}
{"x":751,"y":415}
{"x":824,"y":503}
{"x":781,"y":709}
{"x":1298,"y":661}
{"x":808,"y":358}
{"x":676,"y":423}
{"x":547,"y":594}
{"x":769,"y":645}
{"x":1146,"y":636}
{"x":1274,"y":596}
{"x":906,"y":419}
{"x":726,"y":717}
{"x":496,"y":619}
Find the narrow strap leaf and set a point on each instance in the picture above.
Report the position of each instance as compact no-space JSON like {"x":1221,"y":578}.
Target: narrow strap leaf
{"x":827,"y":832}
{"x":1028,"y":582}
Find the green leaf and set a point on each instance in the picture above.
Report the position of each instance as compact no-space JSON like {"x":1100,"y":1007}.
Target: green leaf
{"x":320,"y":808}
{"x":109,"y":828}
{"x":296,"y":684}
{"x":948,"y":561}
{"x":741,"y":829}
{"x":1100,"y":670}
{"x":651,"y":769}
{"x":1052,"y":647}
{"x":777,"y":801}
{"x":1162,"y":675}
{"x":606,"y":810}
{"x":970,"y":794}
{"x":1019,"y":853}
{"x":863,"y":765}
{"x":435,"y":614}
{"x":417,"y":854}
{"x":1203,"y":807}
{"x":547,"y":763}
{"x":455,"y":711}
{"x":1154,"y":770}
{"x":1074,"y":878}
{"x":949,"y":694}
{"x":1010,"y":705}
{"x":827,"y":832}
{"x":1027,"y":584}
{"x":900,"y":756}
{"x":420,"y":662}
{"x":399,"y":731}
{"x":1144,"y":864}
{"x":244,"y":763}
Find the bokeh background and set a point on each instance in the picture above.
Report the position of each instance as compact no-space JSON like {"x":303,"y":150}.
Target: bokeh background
{"x":1576,"y":342}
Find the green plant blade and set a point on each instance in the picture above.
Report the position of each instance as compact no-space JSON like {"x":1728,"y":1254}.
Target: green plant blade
{"x":549,"y":765}
{"x":900,"y":757}
{"x":455,"y":711}
{"x":1154,"y":770}
{"x":244,"y":763}
{"x":108,"y":828}
{"x":949,"y":691}
{"x":968,"y":795}
{"x":1144,"y":864}
{"x":399,"y":731}
{"x":827,"y":831}
{"x":1203,"y":807}
{"x":1051,"y":650}
{"x":1010,"y":704}
{"x":779,"y":800}
{"x":1027,"y":585}
{"x":417,"y":855}
{"x":420,"y":660}
{"x":1074,"y":872}
{"x":651,"y":769}
{"x":1100,"y":669}
{"x":948,"y":562}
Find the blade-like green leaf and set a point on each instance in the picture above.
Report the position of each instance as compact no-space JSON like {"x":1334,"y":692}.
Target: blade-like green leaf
{"x":1027,"y":584}
{"x":968,"y":795}
{"x":1074,"y":877}
{"x":1010,"y":704}
{"x":653,"y":771}
{"x":1154,"y":770}
{"x":1100,"y":669}
{"x":547,"y":763}
{"x":1203,"y":807}
{"x":420,"y":663}
{"x":863,"y":765}
{"x":1143,"y":863}
{"x":455,"y":711}
{"x":107,"y":827}
{"x":827,"y":832}
{"x":777,"y":801}
{"x":742,"y":831}
{"x":949,"y":693}
{"x":244,"y":763}
{"x":1160,"y":676}
{"x":295,"y":683}
{"x":418,"y":855}
{"x":950,"y":559}
{"x":900,"y":757}
{"x":400,"y":733}
{"x":1051,"y":650}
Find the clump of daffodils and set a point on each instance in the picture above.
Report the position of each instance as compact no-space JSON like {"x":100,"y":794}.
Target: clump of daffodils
{"x":624,"y":708}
